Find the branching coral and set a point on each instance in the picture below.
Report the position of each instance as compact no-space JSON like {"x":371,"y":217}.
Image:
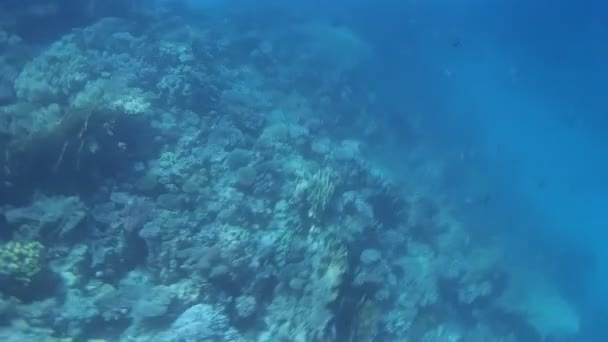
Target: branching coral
{"x":320,"y":191}
{"x":21,"y":261}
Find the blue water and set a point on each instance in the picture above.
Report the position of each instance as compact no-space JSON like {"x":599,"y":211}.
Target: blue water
{"x":522,"y":85}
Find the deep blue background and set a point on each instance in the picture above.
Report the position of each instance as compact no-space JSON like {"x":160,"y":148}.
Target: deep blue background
{"x":521,"y":86}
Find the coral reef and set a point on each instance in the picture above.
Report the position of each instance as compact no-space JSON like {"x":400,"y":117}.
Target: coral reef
{"x":186,"y":183}
{"x":21,"y":262}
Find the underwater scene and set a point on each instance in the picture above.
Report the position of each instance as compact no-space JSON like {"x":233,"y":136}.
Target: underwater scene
{"x":275,"y":171}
